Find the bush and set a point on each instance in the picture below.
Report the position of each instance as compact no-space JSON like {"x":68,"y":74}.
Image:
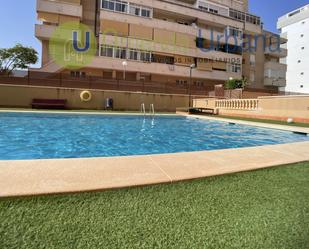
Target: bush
{"x":235,"y":84}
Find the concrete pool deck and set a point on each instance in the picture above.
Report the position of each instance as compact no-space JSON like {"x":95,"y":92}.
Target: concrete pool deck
{"x":38,"y":177}
{"x":55,"y":176}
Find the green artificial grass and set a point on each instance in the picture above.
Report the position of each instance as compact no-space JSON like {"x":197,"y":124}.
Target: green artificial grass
{"x":262,"y":209}
{"x":269,"y":121}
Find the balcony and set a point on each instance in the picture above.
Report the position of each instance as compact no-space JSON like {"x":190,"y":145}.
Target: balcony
{"x":275,"y":74}
{"x":279,"y":53}
{"x":275,"y":66}
{"x":158,"y":68}
{"x":166,"y":48}
{"x":167,"y":25}
{"x":44,"y":32}
{"x":63,"y":8}
{"x":186,"y":11}
{"x":278,"y":82}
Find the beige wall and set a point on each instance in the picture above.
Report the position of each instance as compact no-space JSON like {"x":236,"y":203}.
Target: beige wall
{"x":286,"y":106}
{"x":269,"y":107}
{"x":21,"y":96}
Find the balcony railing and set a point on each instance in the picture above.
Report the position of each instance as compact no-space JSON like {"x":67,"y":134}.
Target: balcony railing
{"x":279,"y":53}
{"x":219,"y":10}
{"x":272,"y":81}
{"x":64,"y":80}
{"x":276,"y":66}
{"x":238,"y":104}
{"x":57,"y":7}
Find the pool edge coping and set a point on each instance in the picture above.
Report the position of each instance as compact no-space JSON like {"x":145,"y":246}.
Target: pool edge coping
{"x":86,"y":112}
{"x":296,"y":129}
{"x":61,"y":176}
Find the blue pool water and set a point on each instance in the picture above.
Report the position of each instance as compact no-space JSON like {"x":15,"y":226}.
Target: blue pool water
{"x":42,"y":136}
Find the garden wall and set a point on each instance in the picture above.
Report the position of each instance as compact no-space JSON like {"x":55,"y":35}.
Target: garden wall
{"x":21,"y":96}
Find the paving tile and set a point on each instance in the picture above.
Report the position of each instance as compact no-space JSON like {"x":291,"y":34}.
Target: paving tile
{"x":74,"y":175}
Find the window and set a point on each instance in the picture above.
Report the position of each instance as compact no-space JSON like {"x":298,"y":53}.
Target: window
{"x":135,"y":10}
{"x":110,"y":5}
{"x":302,"y":73}
{"x":213,"y":8}
{"x":302,"y":48}
{"x":245,"y":17}
{"x":234,"y":32}
{"x":115,"y":5}
{"x":120,"y":53}
{"x":213,"y":11}
{"x":107,"y":51}
{"x":134,"y":55}
{"x":252,"y":59}
{"x":294,"y":13}
{"x":121,"y":6}
{"x":252,"y":77}
{"x":299,"y":61}
{"x":301,"y":86}
{"x":123,"y":53}
{"x":146,"y":12}
{"x":145,"y":56}
{"x":302,"y":35}
{"x":125,"y":7}
{"x":235,"y":68}
{"x":181,"y":82}
{"x":78,"y":74}
{"x":198,"y":83}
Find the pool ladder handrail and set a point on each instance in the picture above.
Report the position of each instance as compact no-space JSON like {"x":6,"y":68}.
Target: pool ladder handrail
{"x":152,"y":110}
{"x":143,"y":109}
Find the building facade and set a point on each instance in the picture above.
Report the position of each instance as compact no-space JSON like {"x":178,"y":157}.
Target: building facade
{"x":295,"y":27}
{"x":161,"y":40}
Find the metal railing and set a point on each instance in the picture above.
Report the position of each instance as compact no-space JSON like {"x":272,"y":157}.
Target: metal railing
{"x":63,"y":80}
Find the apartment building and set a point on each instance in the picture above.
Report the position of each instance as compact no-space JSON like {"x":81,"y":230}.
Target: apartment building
{"x":161,"y":40}
{"x":295,"y":27}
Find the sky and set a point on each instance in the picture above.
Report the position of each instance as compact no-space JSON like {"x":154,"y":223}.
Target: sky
{"x":19,"y":17}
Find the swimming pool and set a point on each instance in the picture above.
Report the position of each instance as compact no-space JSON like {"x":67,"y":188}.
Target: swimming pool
{"x":46,"y":136}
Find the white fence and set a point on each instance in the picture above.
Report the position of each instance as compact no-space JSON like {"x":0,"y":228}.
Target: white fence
{"x":238,"y":104}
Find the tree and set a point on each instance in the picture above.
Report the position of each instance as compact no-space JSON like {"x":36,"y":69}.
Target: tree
{"x":236,"y":83}
{"x":18,"y":57}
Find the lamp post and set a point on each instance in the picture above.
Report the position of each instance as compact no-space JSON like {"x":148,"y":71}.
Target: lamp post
{"x":190,"y":83}
{"x":124,"y":64}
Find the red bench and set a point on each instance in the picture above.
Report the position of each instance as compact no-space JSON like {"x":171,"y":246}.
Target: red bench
{"x":49,"y":103}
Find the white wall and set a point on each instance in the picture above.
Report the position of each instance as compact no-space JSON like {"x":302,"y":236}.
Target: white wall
{"x":295,"y":79}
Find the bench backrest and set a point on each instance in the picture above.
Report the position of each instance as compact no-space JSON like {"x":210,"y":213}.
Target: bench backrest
{"x":49,"y":101}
